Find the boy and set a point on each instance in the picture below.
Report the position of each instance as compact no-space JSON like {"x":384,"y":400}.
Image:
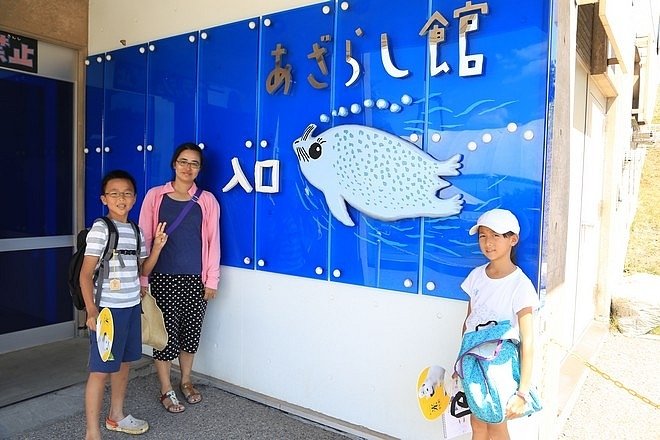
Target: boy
{"x":121,"y":294}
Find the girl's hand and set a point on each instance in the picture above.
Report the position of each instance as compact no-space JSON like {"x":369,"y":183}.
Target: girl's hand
{"x":160,"y":237}
{"x":515,"y":407}
{"x":143,"y":291}
{"x":209,"y":293}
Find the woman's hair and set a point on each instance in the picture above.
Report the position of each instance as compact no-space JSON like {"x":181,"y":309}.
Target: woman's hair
{"x":187,"y":146}
{"x":513,"y":248}
{"x":117,"y":174}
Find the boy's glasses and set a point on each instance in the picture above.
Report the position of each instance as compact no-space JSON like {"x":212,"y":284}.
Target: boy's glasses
{"x":184,"y":163}
{"x":116,"y":195}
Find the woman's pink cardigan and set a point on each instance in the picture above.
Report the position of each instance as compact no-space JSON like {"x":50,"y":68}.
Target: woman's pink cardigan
{"x":210,"y":229}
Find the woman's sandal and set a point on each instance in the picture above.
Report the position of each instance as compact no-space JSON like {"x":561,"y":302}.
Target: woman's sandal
{"x":190,"y":393}
{"x":174,"y":406}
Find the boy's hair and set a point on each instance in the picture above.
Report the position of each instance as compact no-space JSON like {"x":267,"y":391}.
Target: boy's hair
{"x":117,"y":174}
{"x":187,"y":146}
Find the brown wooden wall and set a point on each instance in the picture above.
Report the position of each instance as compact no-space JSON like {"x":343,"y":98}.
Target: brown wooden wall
{"x":61,"y":22}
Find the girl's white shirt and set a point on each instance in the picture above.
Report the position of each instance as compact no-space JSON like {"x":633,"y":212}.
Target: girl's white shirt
{"x":497,"y":299}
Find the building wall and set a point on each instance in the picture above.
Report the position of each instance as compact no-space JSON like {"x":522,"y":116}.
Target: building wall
{"x":285,"y":337}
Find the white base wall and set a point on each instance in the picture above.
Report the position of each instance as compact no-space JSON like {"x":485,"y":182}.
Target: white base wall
{"x":349,"y":352}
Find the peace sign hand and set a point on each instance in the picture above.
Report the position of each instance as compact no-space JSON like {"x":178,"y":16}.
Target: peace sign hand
{"x":160,"y":238}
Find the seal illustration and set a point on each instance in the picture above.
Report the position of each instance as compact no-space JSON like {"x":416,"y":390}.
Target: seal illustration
{"x":379,"y":174}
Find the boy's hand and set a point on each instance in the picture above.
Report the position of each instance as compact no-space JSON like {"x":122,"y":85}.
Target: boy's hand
{"x":92,"y":314}
{"x":160,"y":237}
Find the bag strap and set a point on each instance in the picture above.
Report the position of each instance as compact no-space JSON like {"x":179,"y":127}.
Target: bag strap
{"x":171,"y":227}
{"x":138,"y":243}
{"x":110,"y":247}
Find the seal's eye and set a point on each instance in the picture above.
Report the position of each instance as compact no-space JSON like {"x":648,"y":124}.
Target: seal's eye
{"x":315,"y":150}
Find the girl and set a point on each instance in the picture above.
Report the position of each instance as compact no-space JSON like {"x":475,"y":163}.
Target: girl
{"x":500,"y":291}
{"x":187,"y":273}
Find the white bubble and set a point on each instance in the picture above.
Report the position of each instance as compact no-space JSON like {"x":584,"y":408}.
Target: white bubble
{"x":486,"y":138}
{"x":343,"y":112}
{"x":334,"y":113}
{"x":472,"y":145}
{"x":395,"y":108}
{"x":326,"y":10}
{"x":528,"y":135}
{"x":414,"y":137}
{"x":356,"y":108}
{"x":324,"y":118}
{"x":430,"y":286}
{"x":368,"y":103}
{"x":406,"y":100}
{"x":512,"y":127}
{"x":436,"y":137}
{"x":407,"y":283}
{"x":382,"y":104}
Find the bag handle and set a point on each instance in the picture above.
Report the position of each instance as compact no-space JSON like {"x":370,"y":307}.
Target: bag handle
{"x":170,"y":228}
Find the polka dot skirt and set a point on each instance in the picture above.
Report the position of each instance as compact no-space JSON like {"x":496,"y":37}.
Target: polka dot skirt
{"x":181,"y":298}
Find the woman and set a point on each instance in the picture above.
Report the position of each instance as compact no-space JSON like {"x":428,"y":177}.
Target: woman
{"x":187,"y":273}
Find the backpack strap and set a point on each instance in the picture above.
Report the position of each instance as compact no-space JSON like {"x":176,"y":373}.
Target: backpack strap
{"x":138,"y":243}
{"x":110,"y":247}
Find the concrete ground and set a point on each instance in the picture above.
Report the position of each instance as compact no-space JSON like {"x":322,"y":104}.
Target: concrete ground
{"x":221,"y":415}
{"x":603,"y":410}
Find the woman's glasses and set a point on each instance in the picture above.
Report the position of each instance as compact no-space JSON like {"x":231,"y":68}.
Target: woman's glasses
{"x":184,"y":163}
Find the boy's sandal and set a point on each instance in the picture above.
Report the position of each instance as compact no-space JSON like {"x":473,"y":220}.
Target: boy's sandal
{"x":171,"y":403}
{"x":190,"y":393}
{"x":128,"y":425}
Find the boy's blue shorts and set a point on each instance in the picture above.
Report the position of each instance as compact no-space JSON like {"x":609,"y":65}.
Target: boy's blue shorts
{"x":127,"y":343}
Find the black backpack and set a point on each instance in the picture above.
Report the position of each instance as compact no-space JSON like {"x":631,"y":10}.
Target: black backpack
{"x":75,"y":263}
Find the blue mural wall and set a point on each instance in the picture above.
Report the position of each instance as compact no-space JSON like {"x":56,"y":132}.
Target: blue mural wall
{"x":351,"y":142}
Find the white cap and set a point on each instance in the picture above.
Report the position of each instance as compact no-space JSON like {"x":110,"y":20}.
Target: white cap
{"x":500,"y":221}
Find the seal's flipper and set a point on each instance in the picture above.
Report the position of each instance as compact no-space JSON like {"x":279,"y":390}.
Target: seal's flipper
{"x":337,"y":206}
